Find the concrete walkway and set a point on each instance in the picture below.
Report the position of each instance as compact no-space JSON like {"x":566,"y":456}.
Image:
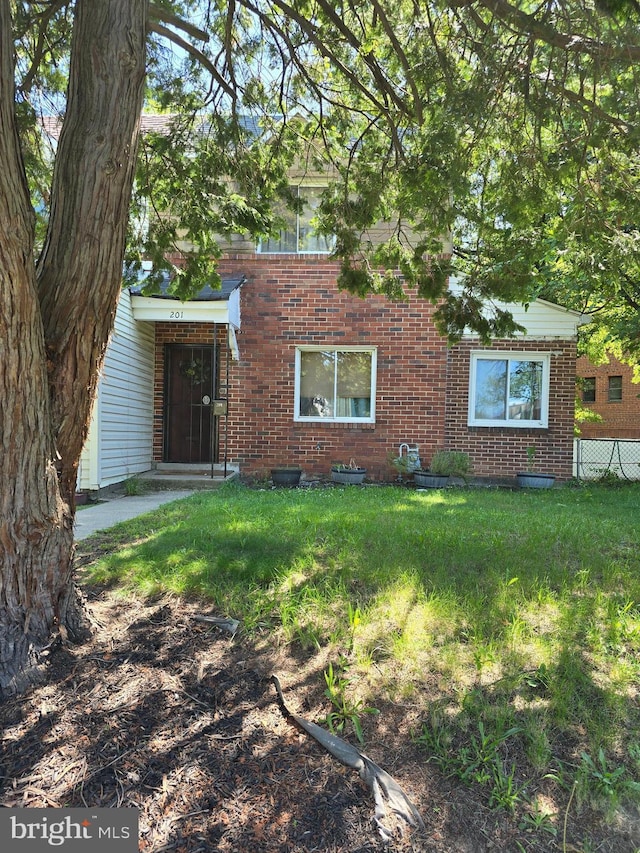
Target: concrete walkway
{"x":110,"y":511}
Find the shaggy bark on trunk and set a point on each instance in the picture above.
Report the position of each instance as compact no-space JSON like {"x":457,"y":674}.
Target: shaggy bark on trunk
{"x":56,"y":317}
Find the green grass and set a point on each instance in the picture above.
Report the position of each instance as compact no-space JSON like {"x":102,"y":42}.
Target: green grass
{"x":494,"y":611}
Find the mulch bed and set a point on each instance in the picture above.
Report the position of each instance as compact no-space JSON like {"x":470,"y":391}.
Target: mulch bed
{"x":178,"y":719}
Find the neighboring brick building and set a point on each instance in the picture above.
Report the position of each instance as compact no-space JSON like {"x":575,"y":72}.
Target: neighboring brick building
{"x":608,"y":390}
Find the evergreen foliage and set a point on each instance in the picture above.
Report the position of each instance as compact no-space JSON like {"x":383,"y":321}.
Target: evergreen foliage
{"x":498,"y":140}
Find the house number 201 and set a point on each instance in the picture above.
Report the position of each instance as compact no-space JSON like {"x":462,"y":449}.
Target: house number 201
{"x":176,"y":315}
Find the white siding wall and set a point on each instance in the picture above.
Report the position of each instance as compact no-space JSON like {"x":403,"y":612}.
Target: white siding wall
{"x":543,"y":320}
{"x":120,"y":437}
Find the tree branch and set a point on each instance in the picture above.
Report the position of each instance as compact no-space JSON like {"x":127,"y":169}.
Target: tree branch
{"x":588,"y":106}
{"x":385,"y":86}
{"x":526,"y":23}
{"x":306,"y":27}
{"x":197,"y":54}
{"x":158,"y":14}
{"x":386,"y":25}
{"x":44,"y":18}
{"x":628,"y":298}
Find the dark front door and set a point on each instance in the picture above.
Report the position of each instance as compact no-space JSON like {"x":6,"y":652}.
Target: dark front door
{"x":190,"y":387}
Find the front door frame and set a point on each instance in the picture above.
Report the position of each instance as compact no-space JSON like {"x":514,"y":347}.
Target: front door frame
{"x":195,"y":410}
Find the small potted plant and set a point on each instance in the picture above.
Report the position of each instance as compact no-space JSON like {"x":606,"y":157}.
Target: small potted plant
{"x":286,"y":476}
{"x":351,"y":474}
{"x":444,"y":464}
{"x":532,"y":479}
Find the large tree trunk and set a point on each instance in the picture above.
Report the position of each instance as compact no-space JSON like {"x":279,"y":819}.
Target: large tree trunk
{"x":55,"y":320}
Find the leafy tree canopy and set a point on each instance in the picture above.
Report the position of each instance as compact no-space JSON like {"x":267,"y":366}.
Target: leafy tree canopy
{"x":498,"y":138}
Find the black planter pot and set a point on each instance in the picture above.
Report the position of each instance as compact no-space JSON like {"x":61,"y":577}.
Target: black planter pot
{"x":286,"y":476}
{"x":348,"y":476}
{"x":426,"y":480}
{"x":531,"y":480}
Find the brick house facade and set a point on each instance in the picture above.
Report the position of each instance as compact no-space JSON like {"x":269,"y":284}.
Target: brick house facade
{"x":501,"y":451}
{"x":288,"y":308}
{"x":289,"y":301}
{"x":421,"y":389}
{"x":227,"y":378}
{"x":608,"y":390}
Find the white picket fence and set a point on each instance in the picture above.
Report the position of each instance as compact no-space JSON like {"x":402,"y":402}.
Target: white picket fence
{"x":594,"y":458}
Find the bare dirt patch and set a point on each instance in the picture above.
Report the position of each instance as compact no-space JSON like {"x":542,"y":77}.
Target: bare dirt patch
{"x":175,"y":717}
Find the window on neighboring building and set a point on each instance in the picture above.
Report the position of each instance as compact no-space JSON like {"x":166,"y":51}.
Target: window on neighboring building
{"x":510,"y":389}
{"x":335,"y":384}
{"x":588,"y":389}
{"x":615,"y":389}
{"x":297,"y":235}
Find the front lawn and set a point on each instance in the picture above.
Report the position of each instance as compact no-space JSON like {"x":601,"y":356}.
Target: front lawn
{"x":507,"y":621}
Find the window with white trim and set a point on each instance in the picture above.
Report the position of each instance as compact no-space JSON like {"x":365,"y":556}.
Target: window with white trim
{"x":297,"y":235}
{"x":335,"y":384}
{"x":509,"y":389}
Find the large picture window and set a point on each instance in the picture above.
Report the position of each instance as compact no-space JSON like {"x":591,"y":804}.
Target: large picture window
{"x":335,"y":384}
{"x":297,"y":235}
{"x":510,"y":389}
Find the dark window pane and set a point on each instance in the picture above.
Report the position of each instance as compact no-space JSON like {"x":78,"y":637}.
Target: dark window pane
{"x":615,"y":389}
{"x":589,"y":389}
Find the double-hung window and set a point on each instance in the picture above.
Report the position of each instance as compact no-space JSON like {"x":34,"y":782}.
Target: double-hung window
{"x":509,"y":389}
{"x":588,"y":389}
{"x":297,"y":234}
{"x":334,"y":384}
{"x":615,"y":389}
